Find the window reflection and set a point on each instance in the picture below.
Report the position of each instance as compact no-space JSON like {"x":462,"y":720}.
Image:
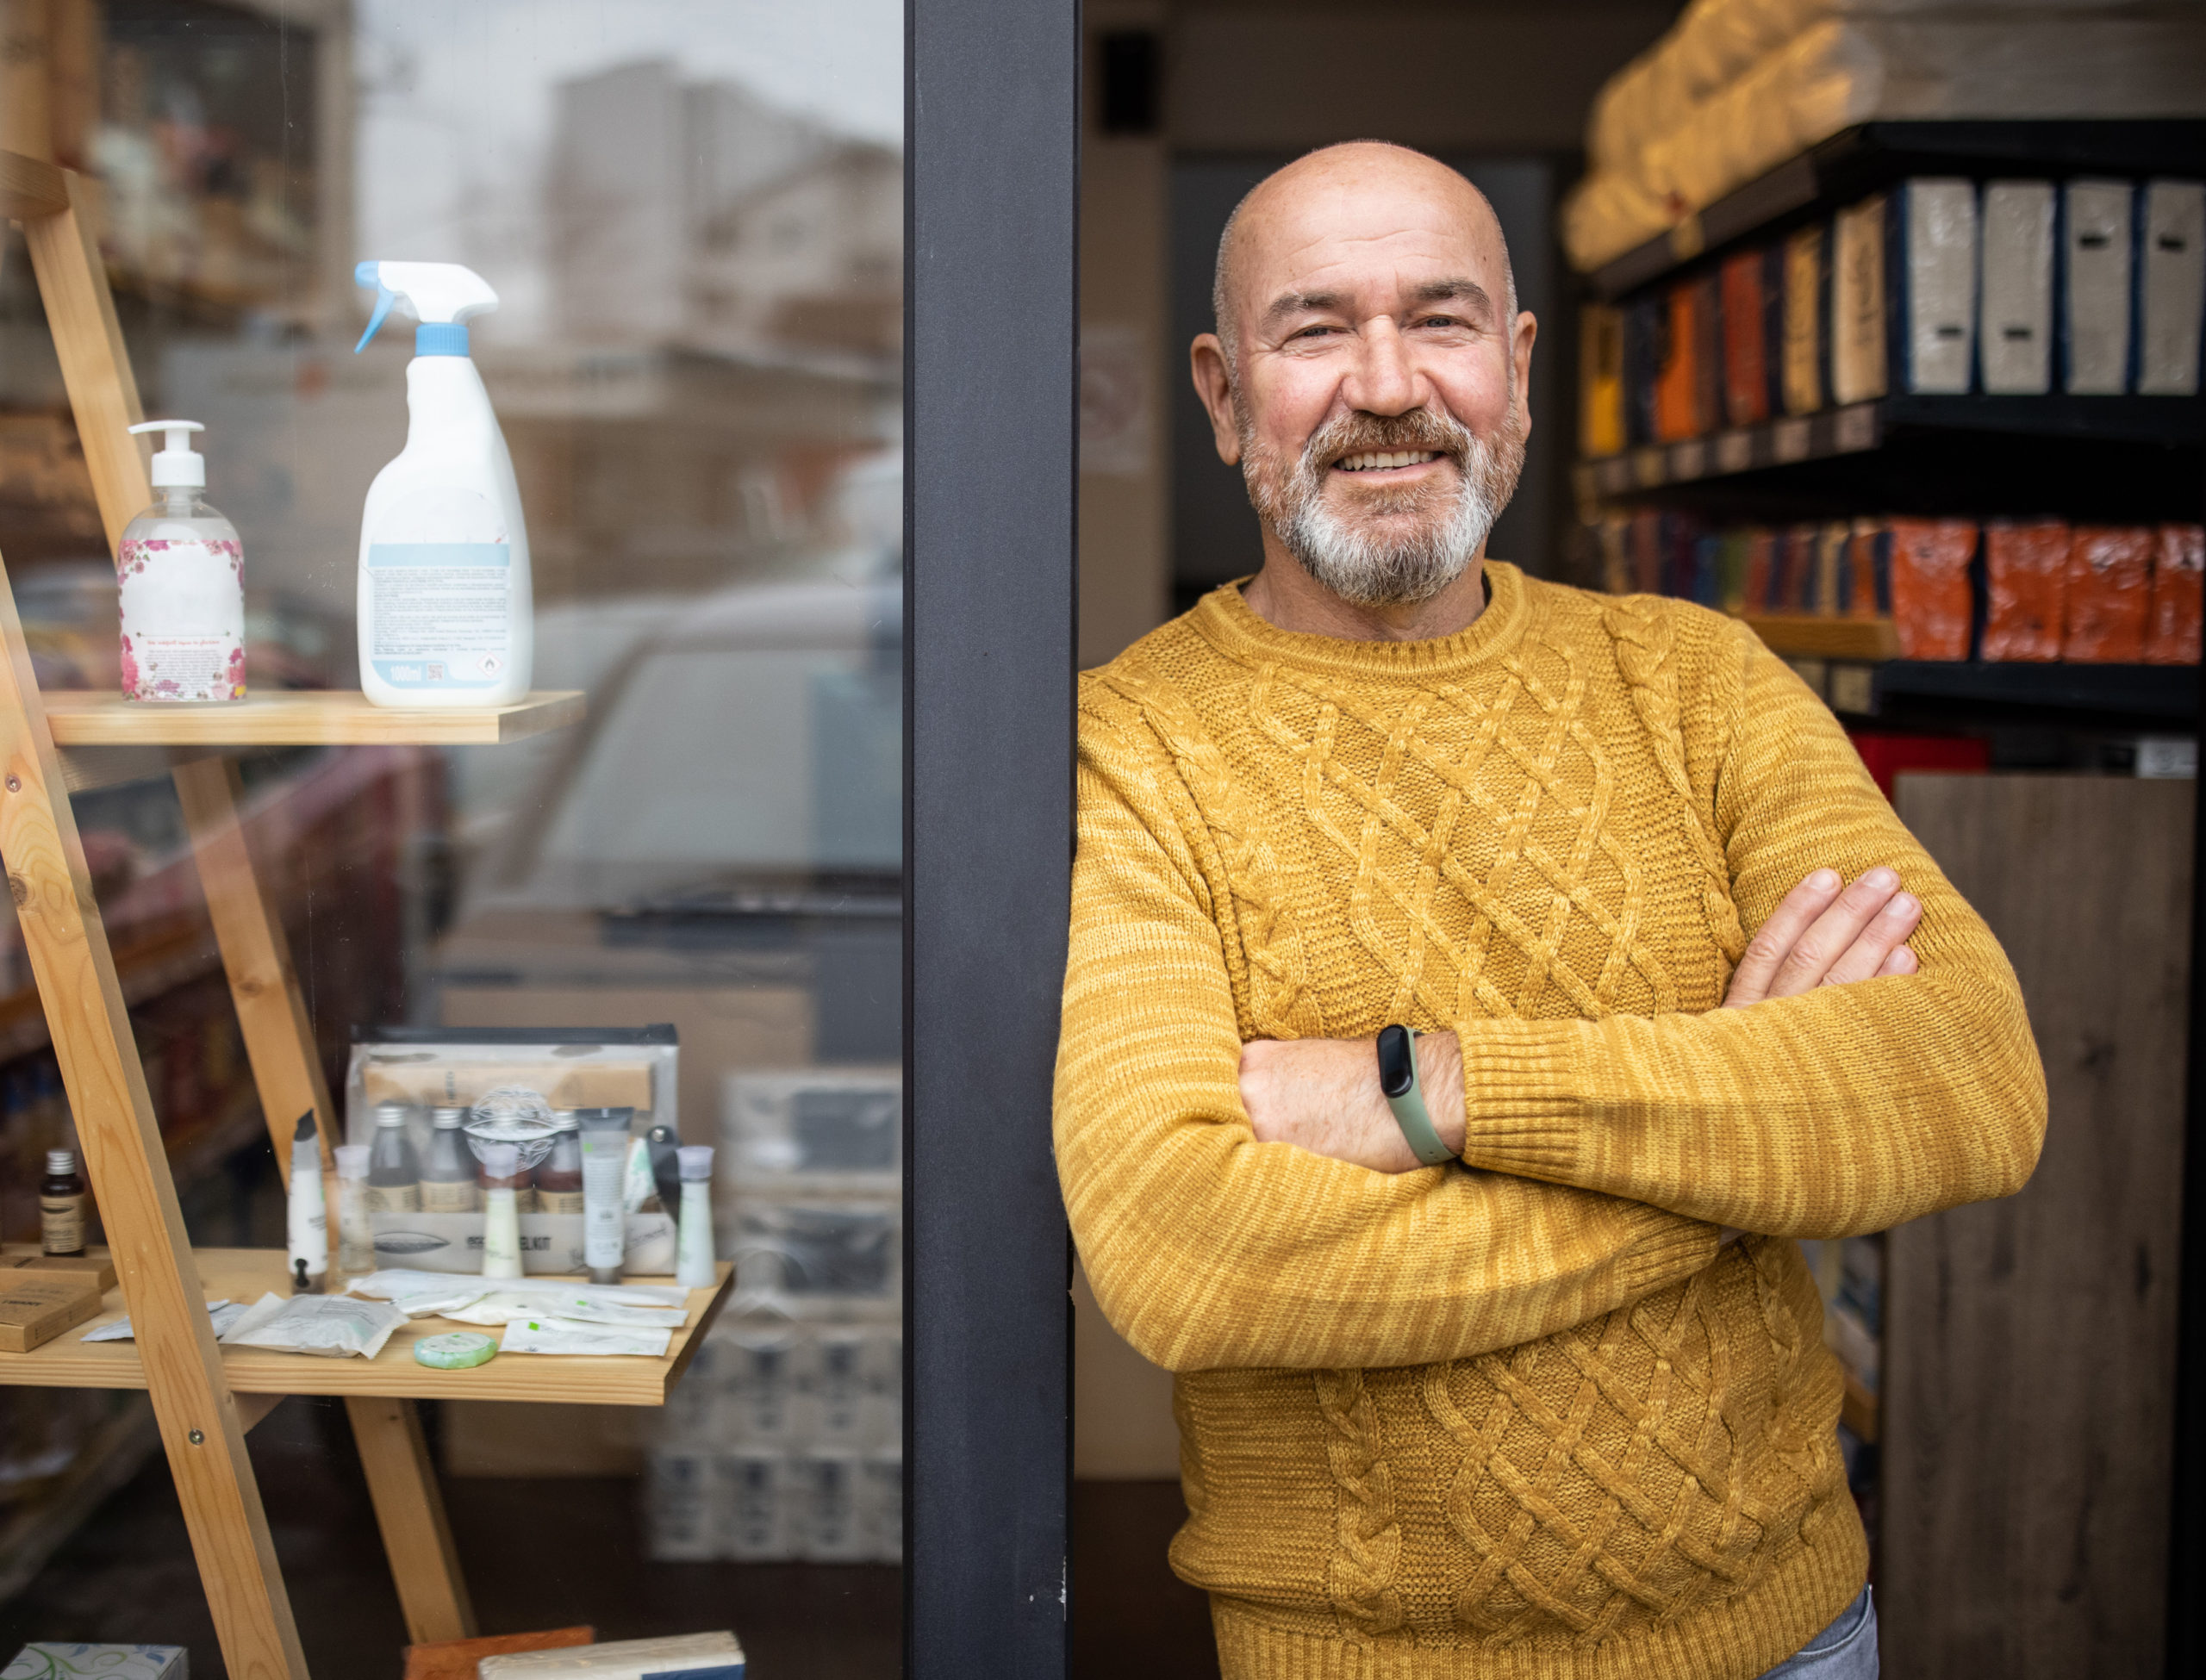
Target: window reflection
{"x":692,"y":213}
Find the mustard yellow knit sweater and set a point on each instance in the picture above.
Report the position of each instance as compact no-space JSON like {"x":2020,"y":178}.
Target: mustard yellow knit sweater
{"x":1530,"y":1420}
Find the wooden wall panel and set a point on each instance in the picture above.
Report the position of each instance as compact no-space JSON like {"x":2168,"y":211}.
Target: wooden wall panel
{"x":2029,"y":1361}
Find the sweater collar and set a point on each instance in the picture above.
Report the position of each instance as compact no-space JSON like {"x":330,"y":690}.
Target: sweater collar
{"x":1225,"y":619}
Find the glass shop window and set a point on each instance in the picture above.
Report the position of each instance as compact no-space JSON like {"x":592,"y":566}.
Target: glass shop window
{"x":686,"y":905}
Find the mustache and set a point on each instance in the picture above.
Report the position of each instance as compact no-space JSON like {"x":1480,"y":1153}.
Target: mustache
{"x":1357,"y":431}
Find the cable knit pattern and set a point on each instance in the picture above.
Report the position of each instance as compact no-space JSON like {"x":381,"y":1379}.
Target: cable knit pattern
{"x":1529,"y":1419}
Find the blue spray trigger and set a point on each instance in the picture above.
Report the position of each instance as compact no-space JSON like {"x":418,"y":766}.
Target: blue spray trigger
{"x":369,"y":274}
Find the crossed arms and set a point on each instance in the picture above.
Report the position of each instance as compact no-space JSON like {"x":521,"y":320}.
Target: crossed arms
{"x":1614,"y":1150}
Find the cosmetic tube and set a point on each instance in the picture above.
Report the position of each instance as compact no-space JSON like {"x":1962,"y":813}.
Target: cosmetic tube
{"x":502,"y":1175}
{"x":356,"y":1238}
{"x":693,"y":1244}
{"x":306,"y":1257}
{"x":605,"y":1158}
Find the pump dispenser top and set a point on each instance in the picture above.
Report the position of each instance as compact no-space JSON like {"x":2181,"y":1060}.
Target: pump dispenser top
{"x":177,"y":464}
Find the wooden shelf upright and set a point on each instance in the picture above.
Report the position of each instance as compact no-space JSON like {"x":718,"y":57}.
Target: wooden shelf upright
{"x":204,"y":1399}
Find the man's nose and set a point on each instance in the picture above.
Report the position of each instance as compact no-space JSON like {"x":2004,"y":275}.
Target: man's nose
{"x":1385,"y":380}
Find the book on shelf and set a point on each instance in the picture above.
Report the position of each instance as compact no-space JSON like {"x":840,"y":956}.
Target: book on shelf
{"x":2025,"y":589}
{"x":2178,"y":602}
{"x":1600,"y":381}
{"x":1743,"y":302}
{"x":1678,"y":379}
{"x":1931,"y":289}
{"x":2109,"y":592}
{"x":1646,"y":339}
{"x":2170,"y":286}
{"x":1934,"y":605}
{"x":1806,"y":293}
{"x":2014,"y":310}
{"x":2094,"y":286}
{"x":1858,"y":363}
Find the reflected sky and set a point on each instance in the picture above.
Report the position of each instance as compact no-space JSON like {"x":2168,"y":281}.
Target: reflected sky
{"x":457,"y":102}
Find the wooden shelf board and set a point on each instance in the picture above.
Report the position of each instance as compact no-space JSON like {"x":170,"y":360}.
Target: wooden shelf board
{"x":247,"y":1274}
{"x":1801,"y":636}
{"x":82,"y":717}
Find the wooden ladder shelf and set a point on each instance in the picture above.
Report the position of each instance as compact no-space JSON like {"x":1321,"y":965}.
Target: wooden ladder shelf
{"x":204,"y":1399}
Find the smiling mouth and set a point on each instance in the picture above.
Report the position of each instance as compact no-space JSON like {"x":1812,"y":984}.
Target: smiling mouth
{"x":1380,"y":460}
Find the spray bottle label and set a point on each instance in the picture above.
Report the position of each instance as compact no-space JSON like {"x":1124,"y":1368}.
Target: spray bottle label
{"x":442,"y":611}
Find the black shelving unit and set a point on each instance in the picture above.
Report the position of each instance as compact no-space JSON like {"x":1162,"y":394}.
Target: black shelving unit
{"x":2111,"y":459}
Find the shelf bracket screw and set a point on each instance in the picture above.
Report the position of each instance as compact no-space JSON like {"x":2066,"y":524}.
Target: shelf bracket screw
{"x":197,"y":1437}
{"x":15,"y":782}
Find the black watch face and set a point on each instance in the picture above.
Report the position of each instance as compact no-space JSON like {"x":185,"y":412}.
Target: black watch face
{"x":1397,"y":1066}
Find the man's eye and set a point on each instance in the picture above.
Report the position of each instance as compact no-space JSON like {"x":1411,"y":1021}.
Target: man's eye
{"x":1318,"y":329}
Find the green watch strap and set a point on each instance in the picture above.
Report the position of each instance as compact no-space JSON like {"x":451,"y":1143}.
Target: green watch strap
{"x":1411,"y":1115}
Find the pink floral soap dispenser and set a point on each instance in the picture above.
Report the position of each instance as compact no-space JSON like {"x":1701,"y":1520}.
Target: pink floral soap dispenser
{"x":182,"y":585}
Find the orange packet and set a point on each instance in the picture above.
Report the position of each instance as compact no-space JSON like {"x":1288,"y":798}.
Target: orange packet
{"x":2026,"y":578}
{"x":2109,"y":593}
{"x":2171,"y":631}
{"x":1932,"y":601}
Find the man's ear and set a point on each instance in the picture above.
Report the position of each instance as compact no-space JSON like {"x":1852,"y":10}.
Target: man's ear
{"x":1214,"y":385}
{"x":1520,"y":353}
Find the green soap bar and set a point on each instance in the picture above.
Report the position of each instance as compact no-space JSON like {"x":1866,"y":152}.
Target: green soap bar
{"x":455,"y":1351}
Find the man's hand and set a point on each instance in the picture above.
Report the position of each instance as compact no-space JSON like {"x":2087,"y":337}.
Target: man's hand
{"x":1821,"y":935}
{"x":1322,"y":1095}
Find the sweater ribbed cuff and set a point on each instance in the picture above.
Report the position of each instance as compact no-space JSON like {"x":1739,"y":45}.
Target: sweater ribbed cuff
{"x":1522,"y":1108}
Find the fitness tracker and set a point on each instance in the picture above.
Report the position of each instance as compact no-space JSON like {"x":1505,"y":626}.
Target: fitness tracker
{"x":1398,"y":1083}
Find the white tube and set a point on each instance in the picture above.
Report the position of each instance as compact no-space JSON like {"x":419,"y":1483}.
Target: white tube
{"x":605,"y":1158}
{"x":307,"y":1256}
{"x":500,"y":1217}
{"x":694,"y":1266}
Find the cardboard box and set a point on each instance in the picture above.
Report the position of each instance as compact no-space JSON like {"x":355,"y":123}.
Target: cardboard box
{"x":60,"y":1660}
{"x":724,"y":1029}
{"x":37,"y":1306}
{"x":96,"y":1262}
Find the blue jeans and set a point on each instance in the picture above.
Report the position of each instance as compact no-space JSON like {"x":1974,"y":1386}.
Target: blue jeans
{"x":1847,"y":1650}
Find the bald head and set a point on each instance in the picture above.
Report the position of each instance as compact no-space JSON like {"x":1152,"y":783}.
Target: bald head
{"x":1365,"y":187}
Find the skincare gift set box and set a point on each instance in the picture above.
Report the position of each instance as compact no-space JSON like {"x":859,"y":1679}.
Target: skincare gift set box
{"x":416,"y":1099}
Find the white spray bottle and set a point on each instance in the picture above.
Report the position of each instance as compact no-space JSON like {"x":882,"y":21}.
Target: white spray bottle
{"x":445,"y":611}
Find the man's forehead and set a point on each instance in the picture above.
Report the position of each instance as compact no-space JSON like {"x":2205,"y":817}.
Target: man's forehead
{"x":1401,"y":222}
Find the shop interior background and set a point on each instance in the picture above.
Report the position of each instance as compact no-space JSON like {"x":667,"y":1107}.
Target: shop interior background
{"x":692,"y":212}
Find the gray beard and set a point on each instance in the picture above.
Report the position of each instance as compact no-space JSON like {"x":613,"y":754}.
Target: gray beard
{"x":1369,"y":567}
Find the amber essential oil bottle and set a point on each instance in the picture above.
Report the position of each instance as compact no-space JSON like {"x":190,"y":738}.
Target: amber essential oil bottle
{"x":61,"y":1205}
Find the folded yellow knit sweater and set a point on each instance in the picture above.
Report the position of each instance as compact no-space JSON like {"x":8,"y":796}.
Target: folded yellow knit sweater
{"x":1529,"y":1419}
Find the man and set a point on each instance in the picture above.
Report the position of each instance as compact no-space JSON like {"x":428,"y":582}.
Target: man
{"x":1545,"y":1412}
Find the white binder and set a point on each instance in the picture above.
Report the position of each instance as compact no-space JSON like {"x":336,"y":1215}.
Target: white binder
{"x":2170,"y":287}
{"x":2015,"y":314}
{"x":1934,"y":230}
{"x":2095,"y":250}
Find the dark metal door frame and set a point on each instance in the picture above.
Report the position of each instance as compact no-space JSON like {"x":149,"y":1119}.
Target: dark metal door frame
{"x":990,"y":387}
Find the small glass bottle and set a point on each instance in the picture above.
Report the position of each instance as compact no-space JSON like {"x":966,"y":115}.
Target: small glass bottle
{"x":394,"y":1172}
{"x":61,"y":1205}
{"x":524,"y":1187}
{"x":559,"y":1179}
{"x":448,"y":1184}
{"x":182,"y":578}
{"x":356,"y":1241}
